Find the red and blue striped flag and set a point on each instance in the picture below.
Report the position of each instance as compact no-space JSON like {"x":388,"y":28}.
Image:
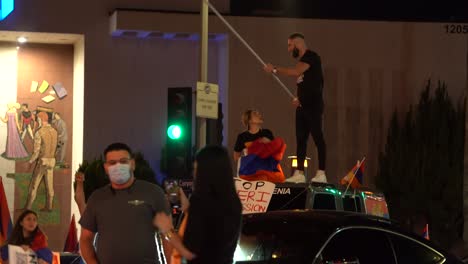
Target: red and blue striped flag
{"x":426,"y":232}
{"x":5,"y":220}
{"x":262,"y":162}
{"x":355,"y":176}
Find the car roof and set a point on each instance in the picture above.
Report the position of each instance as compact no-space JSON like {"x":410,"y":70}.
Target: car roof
{"x":326,"y":220}
{"x":330,"y":217}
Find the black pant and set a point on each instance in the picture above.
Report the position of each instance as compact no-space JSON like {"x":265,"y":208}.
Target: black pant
{"x":309,"y":121}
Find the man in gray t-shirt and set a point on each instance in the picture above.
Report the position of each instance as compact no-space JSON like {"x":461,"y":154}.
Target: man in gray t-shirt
{"x":122,"y":213}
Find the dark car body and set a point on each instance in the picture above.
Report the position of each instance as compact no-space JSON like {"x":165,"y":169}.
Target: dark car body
{"x":327,"y":196}
{"x":325,"y":236}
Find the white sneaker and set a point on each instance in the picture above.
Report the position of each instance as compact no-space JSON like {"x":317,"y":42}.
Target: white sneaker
{"x":298,"y":177}
{"x":319,"y":177}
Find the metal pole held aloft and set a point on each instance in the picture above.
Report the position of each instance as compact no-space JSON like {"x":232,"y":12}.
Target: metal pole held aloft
{"x":247,"y":46}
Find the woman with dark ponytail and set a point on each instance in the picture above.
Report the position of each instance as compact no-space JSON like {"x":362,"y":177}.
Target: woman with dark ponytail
{"x":214,"y":214}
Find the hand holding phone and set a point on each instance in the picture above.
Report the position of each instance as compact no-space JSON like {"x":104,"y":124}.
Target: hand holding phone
{"x":171,"y":187}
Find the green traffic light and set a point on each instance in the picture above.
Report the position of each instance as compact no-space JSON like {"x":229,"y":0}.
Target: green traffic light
{"x":174,"y":132}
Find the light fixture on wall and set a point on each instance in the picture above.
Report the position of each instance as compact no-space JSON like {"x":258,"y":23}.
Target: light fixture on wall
{"x":22,"y":39}
{"x":294,"y":164}
{"x":294,"y":161}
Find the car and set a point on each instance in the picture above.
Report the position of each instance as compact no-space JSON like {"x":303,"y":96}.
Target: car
{"x":330,"y":236}
{"x":329,"y":197}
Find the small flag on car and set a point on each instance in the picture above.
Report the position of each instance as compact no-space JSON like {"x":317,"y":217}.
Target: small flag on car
{"x":426,"y":232}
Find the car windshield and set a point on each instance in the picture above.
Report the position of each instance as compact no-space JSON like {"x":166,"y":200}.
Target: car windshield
{"x":279,"y":241}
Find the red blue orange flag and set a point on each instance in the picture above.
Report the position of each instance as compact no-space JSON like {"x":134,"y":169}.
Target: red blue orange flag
{"x":355,"y":176}
{"x":426,"y":232}
{"x":262,"y":162}
{"x":71,"y":243}
{"x":5,"y":220}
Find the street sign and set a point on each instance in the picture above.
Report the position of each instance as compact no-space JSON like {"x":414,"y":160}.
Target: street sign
{"x":207,"y":100}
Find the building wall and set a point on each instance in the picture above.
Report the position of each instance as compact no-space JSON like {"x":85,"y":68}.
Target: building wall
{"x":371,"y":69}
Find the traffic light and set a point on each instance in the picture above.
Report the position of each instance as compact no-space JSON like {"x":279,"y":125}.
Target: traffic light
{"x":179,"y":132}
{"x":174,"y":132}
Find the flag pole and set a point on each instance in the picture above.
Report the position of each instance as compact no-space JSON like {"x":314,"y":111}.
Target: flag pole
{"x":354,"y":174}
{"x":286,"y":89}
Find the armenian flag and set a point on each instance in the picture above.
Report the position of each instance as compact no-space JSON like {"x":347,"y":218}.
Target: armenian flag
{"x":426,"y":232}
{"x":262,"y":162}
{"x":355,"y":175}
{"x":6,"y":225}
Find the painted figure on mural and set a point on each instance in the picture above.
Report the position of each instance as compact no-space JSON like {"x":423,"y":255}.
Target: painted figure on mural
{"x":38,"y":121}
{"x":61,"y":128}
{"x":15,"y":149}
{"x":45,"y":145}
{"x":26,"y":121}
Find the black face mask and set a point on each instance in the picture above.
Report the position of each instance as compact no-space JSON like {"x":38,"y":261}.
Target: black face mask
{"x":295,"y":53}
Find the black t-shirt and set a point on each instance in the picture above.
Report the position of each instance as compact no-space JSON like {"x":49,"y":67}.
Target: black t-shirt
{"x":246,"y":137}
{"x":310,"y":83}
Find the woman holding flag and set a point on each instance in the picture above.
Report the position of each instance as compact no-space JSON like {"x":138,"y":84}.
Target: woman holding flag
{"x":214,"y":213}
{"x":257,"y":152}
{"x":29,"y":237}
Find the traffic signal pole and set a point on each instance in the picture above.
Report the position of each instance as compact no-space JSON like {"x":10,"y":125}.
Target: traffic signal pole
{"x":201,"y":135}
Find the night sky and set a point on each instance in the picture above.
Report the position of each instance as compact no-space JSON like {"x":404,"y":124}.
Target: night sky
{"x":379,"y":10}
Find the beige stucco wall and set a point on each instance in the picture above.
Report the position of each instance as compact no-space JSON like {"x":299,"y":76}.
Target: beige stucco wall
{"x":371,"y":68}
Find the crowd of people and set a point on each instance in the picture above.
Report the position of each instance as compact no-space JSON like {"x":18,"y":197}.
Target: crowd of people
{"x":133,"y":210}
{"x":119,"y":222}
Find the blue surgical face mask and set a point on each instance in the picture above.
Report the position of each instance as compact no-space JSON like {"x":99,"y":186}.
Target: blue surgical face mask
{"x":119,"y":173}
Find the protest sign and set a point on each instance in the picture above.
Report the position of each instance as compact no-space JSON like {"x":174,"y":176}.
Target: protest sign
{"x":255,"y":196}
{"x":17,"y":255}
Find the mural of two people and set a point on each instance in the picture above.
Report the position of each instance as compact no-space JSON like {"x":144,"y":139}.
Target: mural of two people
{"x":49,"y":147}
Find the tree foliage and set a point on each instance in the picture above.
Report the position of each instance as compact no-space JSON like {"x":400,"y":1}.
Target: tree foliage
{"x":421,"y":168}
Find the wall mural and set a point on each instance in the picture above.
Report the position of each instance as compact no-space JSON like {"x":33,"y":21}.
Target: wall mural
{"x":48,"y":133}
{"x":38,"y":125}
